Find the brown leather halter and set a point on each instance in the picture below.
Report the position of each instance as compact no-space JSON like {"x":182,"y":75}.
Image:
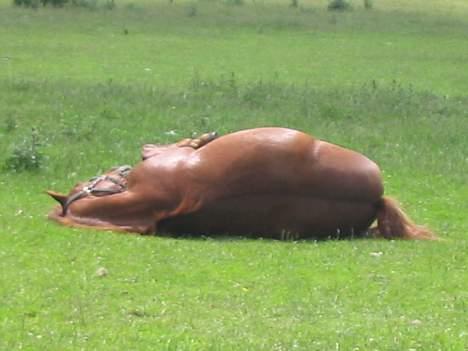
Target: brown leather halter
{"x":92,"y":189}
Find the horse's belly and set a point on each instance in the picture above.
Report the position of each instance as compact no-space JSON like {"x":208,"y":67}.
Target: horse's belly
{"x":276,"y":217}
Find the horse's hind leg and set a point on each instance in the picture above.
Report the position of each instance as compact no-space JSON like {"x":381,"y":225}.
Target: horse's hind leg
{"x":198,"y":142}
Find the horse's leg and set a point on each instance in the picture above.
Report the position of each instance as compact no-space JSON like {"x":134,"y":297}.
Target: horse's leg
{"x":150,"y":150}
{"x":184,"y":142}
{"x":198,"y":142}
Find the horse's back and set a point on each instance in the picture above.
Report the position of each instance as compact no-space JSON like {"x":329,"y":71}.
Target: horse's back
{"x":284,"y":161}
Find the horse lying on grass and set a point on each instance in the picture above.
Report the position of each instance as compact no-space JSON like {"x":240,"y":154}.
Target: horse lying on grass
{"x":266,"y":182}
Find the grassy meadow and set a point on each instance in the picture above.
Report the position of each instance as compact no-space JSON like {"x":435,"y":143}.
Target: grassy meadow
{"x":81,"y":89}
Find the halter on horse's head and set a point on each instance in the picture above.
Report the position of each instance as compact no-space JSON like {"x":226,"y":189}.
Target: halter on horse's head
{"x":112,"y":182}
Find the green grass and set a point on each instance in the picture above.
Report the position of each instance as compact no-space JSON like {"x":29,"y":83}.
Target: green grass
{"x":165,"y":46}
{"x":390,"y":82}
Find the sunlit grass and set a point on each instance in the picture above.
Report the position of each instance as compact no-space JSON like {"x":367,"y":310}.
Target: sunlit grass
{"x":160,"y":44}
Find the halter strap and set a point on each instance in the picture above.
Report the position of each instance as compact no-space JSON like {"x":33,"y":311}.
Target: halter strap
{"x":123,"y":172}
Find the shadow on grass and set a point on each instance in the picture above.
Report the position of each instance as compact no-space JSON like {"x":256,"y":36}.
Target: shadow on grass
{"x":274,"y":239}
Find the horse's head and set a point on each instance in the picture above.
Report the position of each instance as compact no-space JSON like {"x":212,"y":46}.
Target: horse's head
{"x":111,"y":182}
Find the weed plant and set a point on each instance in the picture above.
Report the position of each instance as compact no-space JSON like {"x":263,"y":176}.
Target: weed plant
{"x":26,"y":154}
{"x":368,"y":4}
{"x":339,"y":5}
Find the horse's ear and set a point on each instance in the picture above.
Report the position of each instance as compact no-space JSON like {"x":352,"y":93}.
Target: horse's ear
{"x":62,"y":199}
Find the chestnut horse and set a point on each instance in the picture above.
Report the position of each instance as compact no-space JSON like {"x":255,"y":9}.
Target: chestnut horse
{"x":266,"y":182}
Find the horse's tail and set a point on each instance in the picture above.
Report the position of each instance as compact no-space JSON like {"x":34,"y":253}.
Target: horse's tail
{"x":393,"y":223}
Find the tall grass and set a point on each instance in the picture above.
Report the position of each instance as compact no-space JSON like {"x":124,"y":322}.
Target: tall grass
{"x":392,"y":123}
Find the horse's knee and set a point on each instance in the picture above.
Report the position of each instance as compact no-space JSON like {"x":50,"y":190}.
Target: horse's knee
{"x":206,"y":138}
{"x":198,"y":142}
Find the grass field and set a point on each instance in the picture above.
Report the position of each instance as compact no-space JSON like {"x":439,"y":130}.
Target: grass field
{"x":82,"y":89}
